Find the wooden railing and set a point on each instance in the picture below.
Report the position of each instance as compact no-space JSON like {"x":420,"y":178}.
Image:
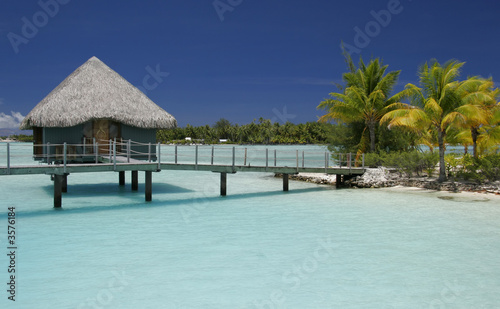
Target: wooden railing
{"x":128,"y":151}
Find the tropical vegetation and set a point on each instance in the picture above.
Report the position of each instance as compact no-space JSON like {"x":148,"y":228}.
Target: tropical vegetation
{"x":262,"y":131}
{"x":363,"y":99}
{"x":441,"y":111}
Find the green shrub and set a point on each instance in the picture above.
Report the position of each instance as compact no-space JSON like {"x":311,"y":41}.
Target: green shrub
{"x":489,"y":165}
{"x":373,"y":160}
{"x":409,"y":163}
{"x":479,"y":169}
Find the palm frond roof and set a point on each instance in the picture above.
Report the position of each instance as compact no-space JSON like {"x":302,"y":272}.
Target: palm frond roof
{"x":95,"y":91}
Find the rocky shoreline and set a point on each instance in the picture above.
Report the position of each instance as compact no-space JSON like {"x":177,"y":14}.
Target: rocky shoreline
{"x":383,"y":178}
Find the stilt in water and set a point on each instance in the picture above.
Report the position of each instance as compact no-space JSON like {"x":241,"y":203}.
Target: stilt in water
{"x":338,"y":181}
{"x":64,"y":188}
{"x":149,"y":185}
{"x":58,"y":183}
{"x":135,"y":181}
{"x":285,"y":182}
{"x":121,"y":178}
{"x":223,"y":184}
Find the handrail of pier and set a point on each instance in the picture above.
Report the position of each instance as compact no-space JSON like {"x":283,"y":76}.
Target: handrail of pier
{"x":110,"y":150}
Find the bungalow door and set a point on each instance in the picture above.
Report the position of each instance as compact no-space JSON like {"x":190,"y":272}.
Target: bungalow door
{"x":101,"y":134}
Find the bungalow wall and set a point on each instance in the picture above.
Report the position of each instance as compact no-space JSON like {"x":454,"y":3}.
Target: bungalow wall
{"x":142,"y":136}
{"x":75,"y":135}
{"x":56,"y":137}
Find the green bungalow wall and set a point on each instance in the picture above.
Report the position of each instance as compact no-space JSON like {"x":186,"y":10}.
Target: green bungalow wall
{"x":139,"y":135}
{"x":75,"y":136}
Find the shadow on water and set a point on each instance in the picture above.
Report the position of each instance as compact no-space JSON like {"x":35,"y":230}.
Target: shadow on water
{"x":463,"y":199}
{"x":112,"y":189}
{"x":141,"y":204}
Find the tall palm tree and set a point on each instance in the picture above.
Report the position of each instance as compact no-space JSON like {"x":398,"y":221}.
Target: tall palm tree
{"x":489,"y":135}
{"x":433,"y":106}
{"x":365,"y":97}
{"x":478,"y":97}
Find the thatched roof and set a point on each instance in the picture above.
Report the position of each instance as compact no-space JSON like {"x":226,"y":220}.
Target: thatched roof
{"x":94,"y":91}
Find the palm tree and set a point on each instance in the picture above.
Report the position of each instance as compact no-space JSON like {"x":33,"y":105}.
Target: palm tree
{"x":489,"y":135}
{"x":478,"y":97}
{"x":434,"y":106}
{"x":365,"y":97}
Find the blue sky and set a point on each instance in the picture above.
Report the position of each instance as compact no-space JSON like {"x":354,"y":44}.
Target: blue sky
{"x":237,"y":59}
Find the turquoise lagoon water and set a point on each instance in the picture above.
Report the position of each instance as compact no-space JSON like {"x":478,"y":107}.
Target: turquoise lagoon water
{"x":259,"y":247}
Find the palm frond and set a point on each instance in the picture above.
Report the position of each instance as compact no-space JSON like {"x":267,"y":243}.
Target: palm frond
{"x":453,"y":117}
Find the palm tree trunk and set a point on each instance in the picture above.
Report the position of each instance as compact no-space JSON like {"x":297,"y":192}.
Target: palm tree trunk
{"x":474,"y":134}
{"x":371,"y":128}
{"x":442,"y":166}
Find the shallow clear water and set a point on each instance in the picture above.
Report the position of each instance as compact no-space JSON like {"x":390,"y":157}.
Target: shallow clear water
{"x":259,"y":247}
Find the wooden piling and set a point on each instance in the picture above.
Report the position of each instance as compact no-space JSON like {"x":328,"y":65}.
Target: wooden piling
{"x":338,"y":181}
{"x":223,"y":184}
{"x":121,"y":178}
{"x":149,"y":186}
{"x":135,"y":181}
{"x":58,"y":181}
{"x":64,"y":187}
{"x":285,"y":182}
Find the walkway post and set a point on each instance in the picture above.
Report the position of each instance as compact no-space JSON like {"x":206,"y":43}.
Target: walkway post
{"x":212,"y":158}
{"x":114,"y":159}
{"x":350,"y":162}
{"x":363,"y":165}
{"x":65,"y":149}
{"x":48,"y":153}
{"x":149,"y":186}
{"x":159,"y":156}
{"x":149,"y":152}
{"x":274,"y":157}
{"x":303,"y":159}
{"x":223,"y":184}
{"x":267,"y":158}
{"x":326,"y":162}
{"x":297,"y":159}
{"x":196,"y":157}
{"x":8,"y":158}
{"x":110,"y":151}
{"x":245,"y":160}
{"x":175,"y":154}
{"x":128,"y":151}
{"x":234,"y":156}
{"x":96,"y":152}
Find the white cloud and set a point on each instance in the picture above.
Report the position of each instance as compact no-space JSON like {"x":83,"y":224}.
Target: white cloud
{"x":10,"y":121}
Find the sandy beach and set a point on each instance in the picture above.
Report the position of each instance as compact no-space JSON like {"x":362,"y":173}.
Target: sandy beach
{"x":390,"y":180}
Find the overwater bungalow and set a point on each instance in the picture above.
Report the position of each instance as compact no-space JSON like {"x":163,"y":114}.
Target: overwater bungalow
{"x":94,"y":105}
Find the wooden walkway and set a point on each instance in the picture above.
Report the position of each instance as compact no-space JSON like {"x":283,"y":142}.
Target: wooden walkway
{"x":121,"y":162}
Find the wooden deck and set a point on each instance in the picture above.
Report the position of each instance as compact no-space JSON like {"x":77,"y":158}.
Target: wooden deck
{"x":114,"y":162}
{"x":155,"y":167}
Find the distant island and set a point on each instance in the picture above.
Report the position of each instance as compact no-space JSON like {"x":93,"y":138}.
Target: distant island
{"x":261,"y":131}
